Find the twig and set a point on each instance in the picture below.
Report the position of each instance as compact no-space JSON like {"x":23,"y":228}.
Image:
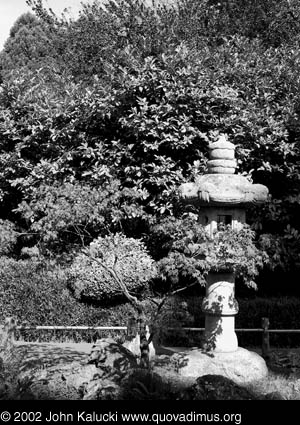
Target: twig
{"x":169,"y":294}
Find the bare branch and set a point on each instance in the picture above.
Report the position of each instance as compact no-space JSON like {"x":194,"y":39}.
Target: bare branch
{"x":182,"y":289}
{"x":162,"y":302}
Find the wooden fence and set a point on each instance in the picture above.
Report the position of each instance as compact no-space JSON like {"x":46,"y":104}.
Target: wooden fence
{"x":8,"y":333}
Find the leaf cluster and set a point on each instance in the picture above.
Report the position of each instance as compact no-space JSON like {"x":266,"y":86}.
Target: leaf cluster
{"x":189,"y":253}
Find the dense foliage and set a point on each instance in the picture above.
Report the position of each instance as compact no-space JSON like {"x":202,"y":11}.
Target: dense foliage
{"x":36,"y":293}
{"x":95,"y":273}
{"x":188,"y":253}
{"x":98,"y":132}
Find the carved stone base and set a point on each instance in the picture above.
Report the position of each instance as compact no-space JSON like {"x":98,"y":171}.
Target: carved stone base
{"x":241,"y":366}
{"x":220,"y":308}
{"x":219,"y":334}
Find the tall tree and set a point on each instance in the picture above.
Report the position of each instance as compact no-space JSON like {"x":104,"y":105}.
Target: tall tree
{"x":30,"y":44}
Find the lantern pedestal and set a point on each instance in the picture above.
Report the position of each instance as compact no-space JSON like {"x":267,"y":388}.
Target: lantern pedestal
{"x":220,"y":308}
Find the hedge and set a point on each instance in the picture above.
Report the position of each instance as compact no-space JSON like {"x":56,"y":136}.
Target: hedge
{"x":36,"y":293}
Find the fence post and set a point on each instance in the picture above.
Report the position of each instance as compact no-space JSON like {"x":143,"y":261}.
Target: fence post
{"x":265,"y":323}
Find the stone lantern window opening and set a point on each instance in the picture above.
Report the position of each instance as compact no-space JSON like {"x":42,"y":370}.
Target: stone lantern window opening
{"x":213,"y":218}
{"x":224,"y":219}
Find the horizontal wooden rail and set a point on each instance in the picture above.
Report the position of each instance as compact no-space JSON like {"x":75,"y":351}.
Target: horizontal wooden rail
{"x":9,"y":328}
{"x":296,"y":331}
{"x":73,"y":328}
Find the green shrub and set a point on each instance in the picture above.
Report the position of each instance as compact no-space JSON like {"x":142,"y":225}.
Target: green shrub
{"x":91,"y":274}
{"x":36,"y":292}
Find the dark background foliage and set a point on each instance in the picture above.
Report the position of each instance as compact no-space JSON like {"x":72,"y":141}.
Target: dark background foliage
{"x":104,"y":116}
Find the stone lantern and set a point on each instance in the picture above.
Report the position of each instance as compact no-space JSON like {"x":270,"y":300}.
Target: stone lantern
{"x":222,"y":198}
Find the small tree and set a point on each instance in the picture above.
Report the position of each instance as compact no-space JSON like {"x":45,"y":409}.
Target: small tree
{"x":113,"y":267}
{"x":117,"y":266}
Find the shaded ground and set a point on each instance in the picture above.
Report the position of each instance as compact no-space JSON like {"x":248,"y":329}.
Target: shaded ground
{"x":66,"y":348}
{"x":44,"y":355}
{"x":284,"y":364}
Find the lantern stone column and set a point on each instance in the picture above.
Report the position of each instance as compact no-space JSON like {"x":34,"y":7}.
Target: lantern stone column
{"x":220,"y":308}
{"x":222,"y":197}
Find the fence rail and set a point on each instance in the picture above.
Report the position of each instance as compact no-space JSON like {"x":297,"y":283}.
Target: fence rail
{"x":74,"y":328}
{"x":124,"y":328}
{"x":10,"y":327}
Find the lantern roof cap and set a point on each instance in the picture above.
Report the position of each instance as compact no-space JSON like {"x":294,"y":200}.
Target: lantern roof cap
{"x":222,"y":143}
{"x":220,"y":186}
{"x":223,"y":190}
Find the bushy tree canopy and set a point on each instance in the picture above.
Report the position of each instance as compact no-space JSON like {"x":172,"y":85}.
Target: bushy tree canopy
{"x":95,"y":272}
{"x":99,"y":139}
